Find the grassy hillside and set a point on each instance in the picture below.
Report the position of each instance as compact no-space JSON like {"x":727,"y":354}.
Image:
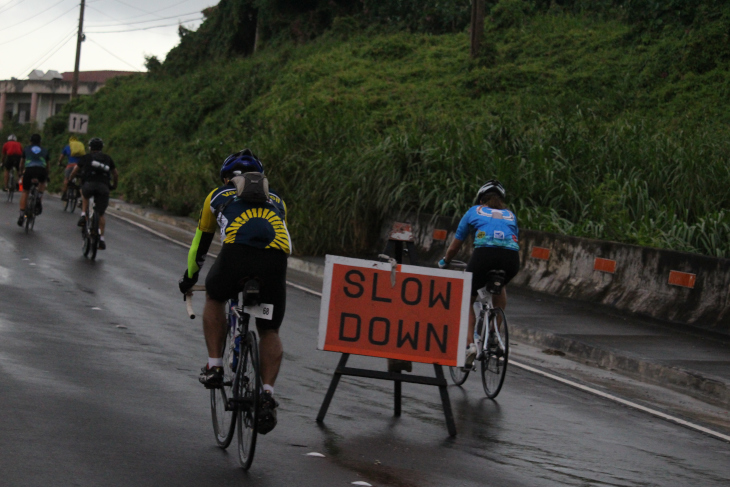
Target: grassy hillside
{"x":595,"y":128}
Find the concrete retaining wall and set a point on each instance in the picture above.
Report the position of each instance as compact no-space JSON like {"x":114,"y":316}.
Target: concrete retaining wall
{"x":667,"y":285}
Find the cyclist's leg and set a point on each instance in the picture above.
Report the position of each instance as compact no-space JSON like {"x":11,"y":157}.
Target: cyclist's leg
{"x":85,"y":195}
{"x":101,"y":200}
{"x":214,"y":326}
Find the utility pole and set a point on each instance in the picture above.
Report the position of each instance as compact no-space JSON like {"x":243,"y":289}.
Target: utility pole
{"x":79,"y":40}
{"x":477,"y":26}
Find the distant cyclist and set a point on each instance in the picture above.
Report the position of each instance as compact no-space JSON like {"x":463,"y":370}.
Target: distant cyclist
{"x":72,"y":151}
{"x":496,"y":247}
{"x":11,"y":154}
{"x":34,"y":165}
{"x":98,"y":176}
{"x":256,"y":243}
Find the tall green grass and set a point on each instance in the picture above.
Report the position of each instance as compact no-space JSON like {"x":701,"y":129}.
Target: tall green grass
{"x":592,"y":132}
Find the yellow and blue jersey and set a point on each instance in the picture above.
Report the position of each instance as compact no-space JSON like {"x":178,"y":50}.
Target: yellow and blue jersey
{"x":260,"y":225}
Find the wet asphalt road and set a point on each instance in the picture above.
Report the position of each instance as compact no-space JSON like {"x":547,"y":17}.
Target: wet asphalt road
{"x":98,"y":387}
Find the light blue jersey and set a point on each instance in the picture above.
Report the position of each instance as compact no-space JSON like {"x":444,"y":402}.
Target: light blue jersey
{"x":492,"y":228}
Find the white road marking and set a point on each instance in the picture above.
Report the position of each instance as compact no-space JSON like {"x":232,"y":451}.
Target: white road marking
{"x":314,"y":454}
{"x":630,"y":404}
{"x":596,"y":392}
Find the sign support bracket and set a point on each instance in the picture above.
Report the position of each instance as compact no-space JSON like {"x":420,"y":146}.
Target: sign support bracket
{"x":398,"y":378}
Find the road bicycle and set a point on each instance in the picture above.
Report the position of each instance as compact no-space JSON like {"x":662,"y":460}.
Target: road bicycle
{"x":31,"y":206}
{"x":234,"y":404}
{"x":11,"y":185}
{"x":72,"y":196}
{"x":90,"y":232}
{"x":492,"y":352}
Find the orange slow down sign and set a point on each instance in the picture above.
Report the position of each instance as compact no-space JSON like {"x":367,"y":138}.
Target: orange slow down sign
{"x":421,"y":317}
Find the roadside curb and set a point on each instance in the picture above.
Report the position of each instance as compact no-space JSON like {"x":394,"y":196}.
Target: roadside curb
{"x":702,"y":387}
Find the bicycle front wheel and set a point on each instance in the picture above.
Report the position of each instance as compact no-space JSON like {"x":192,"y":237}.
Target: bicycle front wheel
{"x":11,"y":187}
{"x":494,"y":363}
{"x":248,"y":385}
{"x":74,"y":199}
{"x":221,"y":408}
{"x":458,"y":375}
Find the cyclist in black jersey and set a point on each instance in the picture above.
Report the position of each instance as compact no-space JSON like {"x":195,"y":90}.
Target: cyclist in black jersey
{"x":98,"y":176}
{"x":256,"y":243}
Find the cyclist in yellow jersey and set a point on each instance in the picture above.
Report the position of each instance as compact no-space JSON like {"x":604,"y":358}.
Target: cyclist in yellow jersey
{"x":256,"y":243}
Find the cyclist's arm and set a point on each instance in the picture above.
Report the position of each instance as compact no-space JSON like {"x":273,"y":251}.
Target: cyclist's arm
{"x":115,"y":178}
{"x":453,"y":249}
{"x":207,"y":226}
{"x":60,"y":159}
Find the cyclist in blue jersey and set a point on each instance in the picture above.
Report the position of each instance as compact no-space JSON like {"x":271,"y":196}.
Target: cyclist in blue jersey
{"x":33,"y":165}
{"x":496,"y":247}
{"x":73,"y":151}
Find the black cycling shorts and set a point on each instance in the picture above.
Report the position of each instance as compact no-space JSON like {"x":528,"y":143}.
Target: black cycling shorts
{"x":100,"y":192}
{"x":31,"y":173}
{"x":11,"y":162}
{"x":236,"y":263}
{"x":485,"y":259}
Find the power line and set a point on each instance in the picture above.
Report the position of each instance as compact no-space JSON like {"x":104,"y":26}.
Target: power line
{"x":11,"y":6}
{"x":109,"y":52}
{"x":141,"y":15}
{"x":37,"y":28}
{"x":142,"y":28}
{"x":121,"y":23}
{"x":46,"y":55}
{"x":35,"y":16}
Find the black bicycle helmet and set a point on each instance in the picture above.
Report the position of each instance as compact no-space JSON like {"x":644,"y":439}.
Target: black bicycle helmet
{"x":240,"y":162}
{"x":491,"y":186}
{"x":35,"y":139}
{"x":96,"y":144}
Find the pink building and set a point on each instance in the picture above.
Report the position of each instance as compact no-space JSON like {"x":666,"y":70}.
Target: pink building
{"x":43,"y":95}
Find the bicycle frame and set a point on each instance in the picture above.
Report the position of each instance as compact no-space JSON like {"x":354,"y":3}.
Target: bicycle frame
{"x":483,"y":306}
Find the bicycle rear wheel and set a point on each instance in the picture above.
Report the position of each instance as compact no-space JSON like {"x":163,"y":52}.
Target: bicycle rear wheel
{"x":222,"y":410}
{"x":73,"y":198}
{"x":494,"y":363}
{"x":11,"y":186}
{"x":94,"y":235}
{"x":248,"y":384}
{"x":458,"y":375}
{"x":30,"y":211}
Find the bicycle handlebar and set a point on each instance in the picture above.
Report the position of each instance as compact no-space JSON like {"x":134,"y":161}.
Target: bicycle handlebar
{"x":189,"y":301}
{"x":457,"y":264}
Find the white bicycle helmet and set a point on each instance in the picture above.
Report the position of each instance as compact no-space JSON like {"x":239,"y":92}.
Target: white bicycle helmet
{"x":12,"y":137}
{"x":491,"y":186}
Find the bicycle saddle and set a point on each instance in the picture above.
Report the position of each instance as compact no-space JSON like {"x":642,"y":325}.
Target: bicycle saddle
{"x":251,"y":289}
{"x":495,"y":281}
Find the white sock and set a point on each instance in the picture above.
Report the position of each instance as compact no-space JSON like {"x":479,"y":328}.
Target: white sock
{"x":269,"y":388}
{"x":215,"y":362}
{"x":101,"y":237}
{"x":83,"y":214}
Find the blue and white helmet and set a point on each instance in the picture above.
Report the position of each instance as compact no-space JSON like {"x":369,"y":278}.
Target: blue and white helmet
{"x":491,"y":186}
{"x":240,"y":162}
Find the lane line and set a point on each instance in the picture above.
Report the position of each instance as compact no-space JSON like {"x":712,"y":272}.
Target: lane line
{"x":630,"y":404}
{"x":570,"y":383}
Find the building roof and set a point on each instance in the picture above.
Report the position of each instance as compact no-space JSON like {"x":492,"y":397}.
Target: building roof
{"x":95,"y":76}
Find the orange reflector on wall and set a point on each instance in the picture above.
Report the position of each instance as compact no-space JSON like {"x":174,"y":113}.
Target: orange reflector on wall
{"x":439,"y":234}
{"x":540,"y":253}
{"x":683,"y":279}
{"x":604,"y":265}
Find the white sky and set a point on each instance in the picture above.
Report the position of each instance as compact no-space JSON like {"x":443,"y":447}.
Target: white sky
{"x":41,"y":34}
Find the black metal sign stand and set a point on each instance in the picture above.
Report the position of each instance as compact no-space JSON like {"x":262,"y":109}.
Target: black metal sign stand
{"x":439,"y":381}
{"x":400,"y":235}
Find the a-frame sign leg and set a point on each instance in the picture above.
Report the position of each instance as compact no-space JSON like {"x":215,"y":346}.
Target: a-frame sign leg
{"x":333,"y":386}
{"x":445,"y":400}
{"x":396,"y":397}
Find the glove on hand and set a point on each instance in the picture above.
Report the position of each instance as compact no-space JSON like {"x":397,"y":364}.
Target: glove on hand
{"x":443,"y":264}
{"x":187,"y":283}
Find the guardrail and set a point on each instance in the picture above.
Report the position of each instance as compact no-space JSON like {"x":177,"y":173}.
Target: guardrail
{"x":667,"y":285}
